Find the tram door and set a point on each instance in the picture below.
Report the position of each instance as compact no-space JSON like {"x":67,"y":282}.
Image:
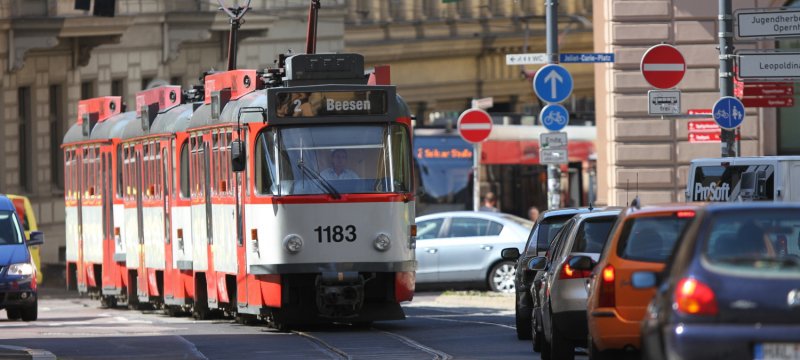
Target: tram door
{"x":80,"y":266}
{"x":211,"y":282}
{"x":141,"y":279}
{"x":109,"y":270}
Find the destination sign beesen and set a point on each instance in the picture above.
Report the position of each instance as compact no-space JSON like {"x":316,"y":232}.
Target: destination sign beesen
{"x":331,"y":103}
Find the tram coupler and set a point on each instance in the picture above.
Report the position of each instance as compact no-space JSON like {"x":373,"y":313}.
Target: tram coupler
{"x":340,"y":294}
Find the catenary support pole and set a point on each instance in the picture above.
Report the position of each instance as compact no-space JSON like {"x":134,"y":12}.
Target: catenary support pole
{"x":726,"y":69}
{"x":553,"y":171}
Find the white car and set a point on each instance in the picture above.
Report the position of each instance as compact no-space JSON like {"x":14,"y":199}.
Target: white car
{"x":465,"y":246}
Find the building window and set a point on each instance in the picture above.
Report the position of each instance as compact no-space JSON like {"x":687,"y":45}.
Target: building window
{"x":25,"y":158}
{"x":56,"y":135}
{"x":87,"y":90}
{"x":118,"y":87}
{"x":146,"y":81}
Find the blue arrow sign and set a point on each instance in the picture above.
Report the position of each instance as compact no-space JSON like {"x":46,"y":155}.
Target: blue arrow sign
{"x":587,"y":58}
{"x":554,"y":117}
{"x":552,"y":83}
{"x":728,"y":112}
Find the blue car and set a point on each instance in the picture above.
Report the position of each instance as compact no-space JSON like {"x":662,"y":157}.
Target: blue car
{"x":17,"y":272}
{"x":731,"y":289}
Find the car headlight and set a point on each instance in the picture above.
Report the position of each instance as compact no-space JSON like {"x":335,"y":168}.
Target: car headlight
{"x":382,"y":242}
{"x":293,"y":243}
{"x":21,"y":269}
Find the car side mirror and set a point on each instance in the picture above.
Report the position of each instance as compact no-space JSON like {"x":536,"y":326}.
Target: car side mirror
{"x":511,"y":254}
{"x":538,"y":263}
{"x":238,"y":155}
{"x":644,"y":280}
{"x":36,"y":238}
{"x":581,"y":262}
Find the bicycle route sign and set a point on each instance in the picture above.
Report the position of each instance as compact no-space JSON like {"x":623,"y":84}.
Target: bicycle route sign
{"x":728,"y":112}
{"x":554,"y":117}
{"x":552,"y":83}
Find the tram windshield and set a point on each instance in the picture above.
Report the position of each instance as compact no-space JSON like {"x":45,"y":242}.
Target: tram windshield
{"x":308,"y":160}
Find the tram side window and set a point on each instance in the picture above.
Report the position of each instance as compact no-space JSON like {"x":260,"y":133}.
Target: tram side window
{"x":264,"y":165}
{"x":184,"y":172}
{"x":401,"y":162}
{"x":119,"y":171}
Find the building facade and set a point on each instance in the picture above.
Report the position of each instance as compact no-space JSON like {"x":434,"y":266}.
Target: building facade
{"x":444,"y":54}
{"x":646,"y":155}
{"x":52,"y":56}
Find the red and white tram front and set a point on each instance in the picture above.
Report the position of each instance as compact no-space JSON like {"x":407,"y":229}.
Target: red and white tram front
{"x":332,"y":208}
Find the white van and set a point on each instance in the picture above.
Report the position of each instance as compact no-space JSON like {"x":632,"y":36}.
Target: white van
{"x":770,"y":178}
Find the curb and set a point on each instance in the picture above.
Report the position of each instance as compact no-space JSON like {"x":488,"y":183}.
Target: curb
{"x":17,"y":352}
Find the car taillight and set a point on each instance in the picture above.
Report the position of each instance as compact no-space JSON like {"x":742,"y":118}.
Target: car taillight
{"x":568,"y":272}
{"x":607,"y":296}
{"x":695,"y":298}
{"x":685,"y":214}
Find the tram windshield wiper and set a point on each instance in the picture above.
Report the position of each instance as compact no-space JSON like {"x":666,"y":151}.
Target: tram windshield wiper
{"x":320,"y":181}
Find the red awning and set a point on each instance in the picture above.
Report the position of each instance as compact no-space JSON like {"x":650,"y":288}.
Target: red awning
{"x":527,"y":152}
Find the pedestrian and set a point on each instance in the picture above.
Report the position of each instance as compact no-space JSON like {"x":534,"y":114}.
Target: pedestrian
{"x":489,"y":203}
{"x":533,"y":213}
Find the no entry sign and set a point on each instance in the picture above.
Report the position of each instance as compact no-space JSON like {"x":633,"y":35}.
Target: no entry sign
{"x":663,"y":66}
{"x":474,"y":125}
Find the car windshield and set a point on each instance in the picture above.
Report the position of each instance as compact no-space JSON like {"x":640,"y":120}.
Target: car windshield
{"x":372,"y":158}
{"x":10,"y":233}
{"x":545,"y":232}
{"x":650,"y":238}
{"x":763,"y":241}
{"x":592,"y":235}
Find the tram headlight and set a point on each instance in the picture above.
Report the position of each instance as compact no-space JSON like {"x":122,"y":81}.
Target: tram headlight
{"x":293,"y":243}
{"x":382,"y":242}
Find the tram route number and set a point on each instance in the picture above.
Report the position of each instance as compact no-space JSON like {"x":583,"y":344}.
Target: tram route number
{"x":336,"y":233}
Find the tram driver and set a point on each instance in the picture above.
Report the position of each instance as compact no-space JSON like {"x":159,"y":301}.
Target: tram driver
{"x":339,"y":170}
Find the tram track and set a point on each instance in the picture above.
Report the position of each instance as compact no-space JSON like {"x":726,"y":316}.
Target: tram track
{"x":370,"y":343}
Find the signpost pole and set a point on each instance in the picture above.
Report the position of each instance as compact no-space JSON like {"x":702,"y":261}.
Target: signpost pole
{"x":476,"y":169}
{"x":727,"y":137}
{"x":553,"y":170}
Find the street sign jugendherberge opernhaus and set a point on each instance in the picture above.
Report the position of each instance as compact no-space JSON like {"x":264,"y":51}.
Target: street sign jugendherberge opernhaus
{"x":767,"y":23}
{"x":769,"y":65}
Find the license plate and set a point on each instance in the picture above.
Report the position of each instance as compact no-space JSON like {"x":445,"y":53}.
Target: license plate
{"x":777,"y":351}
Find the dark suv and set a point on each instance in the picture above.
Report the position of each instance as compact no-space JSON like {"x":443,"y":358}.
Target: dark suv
{"x":17,"y":271}
{"x":539,"y":239}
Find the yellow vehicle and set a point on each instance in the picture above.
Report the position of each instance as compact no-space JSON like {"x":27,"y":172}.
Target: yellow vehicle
{"x":28,"y":217}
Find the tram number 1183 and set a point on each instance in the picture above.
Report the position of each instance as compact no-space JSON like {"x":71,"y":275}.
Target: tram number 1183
{"x":336,"y":233}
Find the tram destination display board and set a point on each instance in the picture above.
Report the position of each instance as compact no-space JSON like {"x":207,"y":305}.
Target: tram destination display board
{"x":331,"y":103}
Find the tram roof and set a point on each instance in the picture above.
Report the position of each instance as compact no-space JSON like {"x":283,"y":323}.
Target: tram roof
{"x":173,"y":120}
{"x":113,"y":127}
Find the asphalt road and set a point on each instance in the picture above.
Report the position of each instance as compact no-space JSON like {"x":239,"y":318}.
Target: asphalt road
{"x":438,"y":326}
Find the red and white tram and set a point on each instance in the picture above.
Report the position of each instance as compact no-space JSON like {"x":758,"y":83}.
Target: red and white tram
{"x":284,"y":194}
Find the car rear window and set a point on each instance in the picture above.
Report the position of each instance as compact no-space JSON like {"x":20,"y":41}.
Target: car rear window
{"x":763,"y":241}
{"x":10,"y":233}
{"x":546,"y":231}
{"x":592,"y":235}
{"x":650,"y":238}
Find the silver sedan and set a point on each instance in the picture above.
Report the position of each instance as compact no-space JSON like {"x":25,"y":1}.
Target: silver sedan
{"x":464,"y":247}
